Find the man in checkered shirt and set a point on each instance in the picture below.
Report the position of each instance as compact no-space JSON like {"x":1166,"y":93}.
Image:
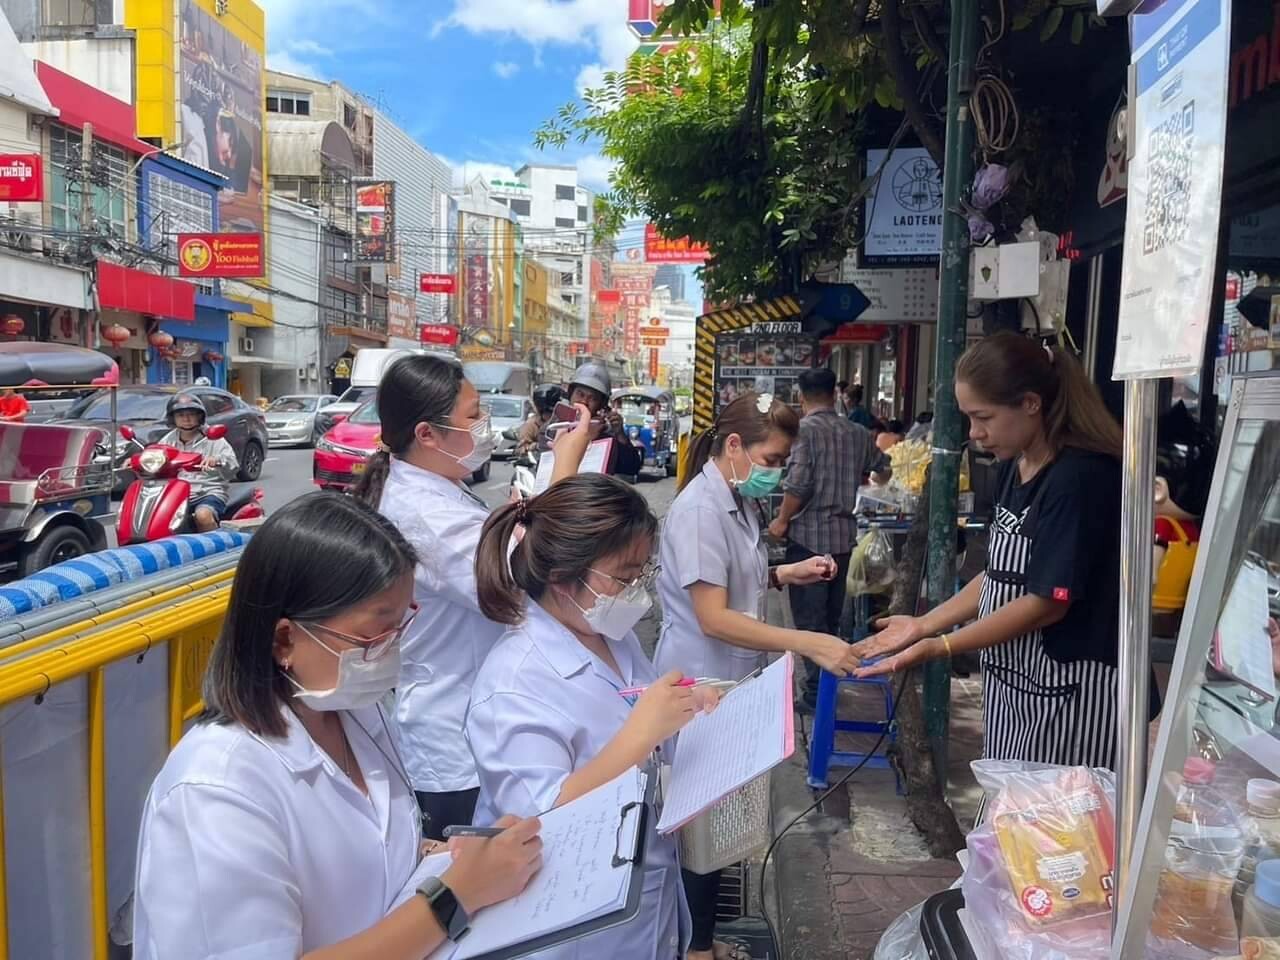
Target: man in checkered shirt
{"x":829,"y":459}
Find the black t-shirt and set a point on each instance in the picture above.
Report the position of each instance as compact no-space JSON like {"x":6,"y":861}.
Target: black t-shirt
{"x":1075,"y":549}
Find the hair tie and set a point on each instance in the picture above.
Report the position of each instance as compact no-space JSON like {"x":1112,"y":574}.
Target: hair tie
{"x":1048,"y":351}
{"x":383,"y":448}
{"x":522,"y":510}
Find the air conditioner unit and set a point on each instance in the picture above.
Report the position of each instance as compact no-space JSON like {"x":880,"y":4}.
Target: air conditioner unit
{"x":302,"y":373}
{"x":246,"y":345}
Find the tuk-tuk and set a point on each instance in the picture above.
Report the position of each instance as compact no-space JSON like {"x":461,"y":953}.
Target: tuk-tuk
{"x":55,"y":480}
{"x":649,"y":417}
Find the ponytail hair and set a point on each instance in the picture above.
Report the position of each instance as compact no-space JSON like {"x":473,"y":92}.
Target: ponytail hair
{"x":415,"y":389}
{"x":1007,"y":366}
{"x":743,"y":417}
{"x":569,"y":528}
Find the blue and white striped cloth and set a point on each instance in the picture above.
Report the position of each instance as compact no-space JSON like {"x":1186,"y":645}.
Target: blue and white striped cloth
{"x":97,"y":571}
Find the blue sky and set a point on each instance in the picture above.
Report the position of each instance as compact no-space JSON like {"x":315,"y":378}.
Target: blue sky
{"x":469,"y":79}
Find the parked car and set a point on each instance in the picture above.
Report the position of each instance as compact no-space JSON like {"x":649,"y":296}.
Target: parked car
{"x":142,"y":408}
{"x":291,"y":419}
{"x":342,"y":452}
{"x":505,"y":412}
{"x":334,"y":413}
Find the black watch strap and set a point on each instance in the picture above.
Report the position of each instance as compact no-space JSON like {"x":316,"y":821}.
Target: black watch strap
{"x":448,"y":911}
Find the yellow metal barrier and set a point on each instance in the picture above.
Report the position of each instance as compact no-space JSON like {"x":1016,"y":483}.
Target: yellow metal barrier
{"x":186,"y":619}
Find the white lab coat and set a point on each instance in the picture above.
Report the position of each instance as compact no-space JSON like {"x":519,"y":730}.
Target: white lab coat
{"x":542,"y":707}
{"x":450,"y":637}
{"x":263,"y":849}
{"x":709,"y":536}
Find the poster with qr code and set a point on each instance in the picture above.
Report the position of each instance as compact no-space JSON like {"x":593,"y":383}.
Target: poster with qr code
{"x":1180,"y":60}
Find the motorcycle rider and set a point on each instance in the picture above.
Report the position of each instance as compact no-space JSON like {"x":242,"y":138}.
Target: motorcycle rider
{"x":210,"y":485}
{"x":532,"y":438}
{"x":592,"y":386}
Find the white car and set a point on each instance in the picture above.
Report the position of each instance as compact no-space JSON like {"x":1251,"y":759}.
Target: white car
{"x":505,"y":412}
{"x":291,"y":419}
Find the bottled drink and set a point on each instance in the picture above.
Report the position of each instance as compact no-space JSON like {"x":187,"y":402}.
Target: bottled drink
{"x":1193,"y":911}
{"x":1261,"y":920}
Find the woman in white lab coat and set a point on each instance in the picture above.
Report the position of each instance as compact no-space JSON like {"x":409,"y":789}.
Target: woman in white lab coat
{"x":282,"y":825}
{"x":548,"y":722}
{"x":434,"y":435}
{"x":715,"y":575}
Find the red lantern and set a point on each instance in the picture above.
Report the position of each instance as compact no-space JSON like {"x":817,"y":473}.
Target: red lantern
{"x":12,"y":324}
{"x":115,"y":334}
{"x":159,"y":339}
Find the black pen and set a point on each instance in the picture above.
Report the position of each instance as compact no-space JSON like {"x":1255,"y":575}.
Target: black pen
{"x":466,"y":831}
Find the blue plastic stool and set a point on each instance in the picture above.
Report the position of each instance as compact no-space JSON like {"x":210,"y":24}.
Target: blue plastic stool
{"x":822,"y":752}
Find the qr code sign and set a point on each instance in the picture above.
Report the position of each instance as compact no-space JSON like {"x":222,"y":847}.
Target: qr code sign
{"x":1169,"y":172}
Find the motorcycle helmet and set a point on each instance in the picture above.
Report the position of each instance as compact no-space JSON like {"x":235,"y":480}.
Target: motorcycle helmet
{"x":546,"y":397}
{"x":183,"y":401}
{"x":203,"y":382}
{"x":593,"y":375}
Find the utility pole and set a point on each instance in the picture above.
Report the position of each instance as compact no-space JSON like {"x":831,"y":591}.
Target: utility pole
{"x":91,"y":338}
{"x":953,"y":297}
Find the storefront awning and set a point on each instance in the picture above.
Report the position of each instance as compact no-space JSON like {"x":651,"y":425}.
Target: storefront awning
{"x":136,"y":291}
{"x":243,"y":360}
{"x":253,"y":313}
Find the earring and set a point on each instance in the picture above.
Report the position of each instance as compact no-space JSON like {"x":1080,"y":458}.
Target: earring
{"x":286,"y":663}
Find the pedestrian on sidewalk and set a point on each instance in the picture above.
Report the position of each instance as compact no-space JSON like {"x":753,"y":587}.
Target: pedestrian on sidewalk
{"x":715,"y":576}
{"x":548,"y":722}
{"x":828,"y":461}
{"x":434,"y":436}
{"x":857,"y":412}
{"x":1045,"y":611}
{"x":842,"y":398}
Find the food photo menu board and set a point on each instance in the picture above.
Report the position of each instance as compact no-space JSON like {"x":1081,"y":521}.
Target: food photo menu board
{"x":765,"y":358}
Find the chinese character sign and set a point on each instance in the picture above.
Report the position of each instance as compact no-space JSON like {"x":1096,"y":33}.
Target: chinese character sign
{"x":658,"y":249}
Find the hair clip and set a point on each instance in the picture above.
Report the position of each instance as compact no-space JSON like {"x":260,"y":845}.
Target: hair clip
{"x":522,"y":510}
{"x":764,"y":403}
{"x":1048,"y":351}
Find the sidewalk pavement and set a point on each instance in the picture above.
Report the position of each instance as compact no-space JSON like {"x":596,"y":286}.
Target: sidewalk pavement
{"x":842,"y":875}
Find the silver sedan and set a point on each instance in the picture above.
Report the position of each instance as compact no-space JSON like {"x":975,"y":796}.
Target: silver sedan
{"x":291,"y":419}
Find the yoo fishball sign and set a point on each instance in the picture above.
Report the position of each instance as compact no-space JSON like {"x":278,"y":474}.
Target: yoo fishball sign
{"x":220,"y":255}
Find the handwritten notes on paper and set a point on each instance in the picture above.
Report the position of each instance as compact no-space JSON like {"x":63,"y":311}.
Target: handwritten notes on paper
{"x":748,"y":734}
{"x":578,"y":881}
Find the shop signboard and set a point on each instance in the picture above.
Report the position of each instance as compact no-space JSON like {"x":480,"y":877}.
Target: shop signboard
{"x":904,"y":212}
{"x":438,"y":333}
{"x":765,"y":358}
{"x":658,"y":249}
{"x":437,"y":283}
{"x":1180,"y":64}
{"x":402,"y":317}
{"x":221,"y":255}
{"x":375,"y":221}
{"x":653,"y":366}
{"x":21,"y":177}
{"x":222,"y":105}
{"x":896,"y":295}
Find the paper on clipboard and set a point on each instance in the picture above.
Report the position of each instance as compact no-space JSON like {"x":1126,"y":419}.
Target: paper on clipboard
{"x":1241,"y":644}
{"x":586,"y":873}
{"x":595,"y":460}
{"x":748,"y":734}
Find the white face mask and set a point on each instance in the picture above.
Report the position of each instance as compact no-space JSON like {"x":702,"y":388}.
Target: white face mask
{"x":614,"y":617}
{"x":361,"y":683}
{"x":481,"y":444}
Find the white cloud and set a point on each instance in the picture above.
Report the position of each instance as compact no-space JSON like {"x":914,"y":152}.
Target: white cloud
{"x":599,"y":26}
{"x":309,"y":47}
{"x":594,"y":170}
{"x":506,"y":69}
{"x":469,"y":170}
{"x":286,"y":62}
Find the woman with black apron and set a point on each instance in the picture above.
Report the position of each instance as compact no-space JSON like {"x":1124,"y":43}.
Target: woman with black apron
{"x":1044,"y":613}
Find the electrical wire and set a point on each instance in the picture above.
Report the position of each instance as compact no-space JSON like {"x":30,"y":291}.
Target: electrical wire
{"x":822,"y":798}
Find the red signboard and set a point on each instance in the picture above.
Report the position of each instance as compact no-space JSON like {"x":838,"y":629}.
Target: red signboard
{"x":608,"y":298}
{"x":438,"y":333}
{"x":21,"y":177}
{"x":123,"y":288}
{"x":438,"y":283}
{"x":653,"y":366}
{"x":658,"y":249}
{"x":220,"y":255}
{"x":858,"y":333}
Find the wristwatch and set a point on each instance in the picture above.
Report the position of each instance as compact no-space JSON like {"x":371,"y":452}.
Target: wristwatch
{"x":448,"y":911}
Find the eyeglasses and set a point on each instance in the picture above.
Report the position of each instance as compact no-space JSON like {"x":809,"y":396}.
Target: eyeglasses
{"x":648,"y":576}
{"x":373,"y":647}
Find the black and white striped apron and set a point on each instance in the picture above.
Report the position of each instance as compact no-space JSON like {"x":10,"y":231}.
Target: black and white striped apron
{"x":1036,"y":709}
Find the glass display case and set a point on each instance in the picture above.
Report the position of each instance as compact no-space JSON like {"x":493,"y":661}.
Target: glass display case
{"x":1211,"y":814}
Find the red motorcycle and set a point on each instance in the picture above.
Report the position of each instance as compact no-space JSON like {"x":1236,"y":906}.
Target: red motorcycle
{"x":156,"y":505}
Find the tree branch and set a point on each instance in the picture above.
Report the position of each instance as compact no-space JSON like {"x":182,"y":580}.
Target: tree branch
{"x":907,"y":80}
{"x":928,"y":36}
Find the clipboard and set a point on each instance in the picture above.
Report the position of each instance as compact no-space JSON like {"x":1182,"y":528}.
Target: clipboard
{"x":595,"y":460}
{"x":630,"y":910}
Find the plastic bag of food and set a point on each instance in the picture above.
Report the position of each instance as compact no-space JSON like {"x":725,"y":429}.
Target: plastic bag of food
{"x":871,"y":567}
{"x":903,"y":941}
{"x":1039,"y":880}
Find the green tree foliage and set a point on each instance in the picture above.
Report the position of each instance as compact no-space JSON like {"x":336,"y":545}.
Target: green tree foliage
{"x":771,"y":193}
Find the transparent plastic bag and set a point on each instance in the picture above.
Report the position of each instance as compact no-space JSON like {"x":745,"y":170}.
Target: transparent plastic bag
{"x":903,"y":941}
{"x":1039,"y":880}
{"x":871,"y":567}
